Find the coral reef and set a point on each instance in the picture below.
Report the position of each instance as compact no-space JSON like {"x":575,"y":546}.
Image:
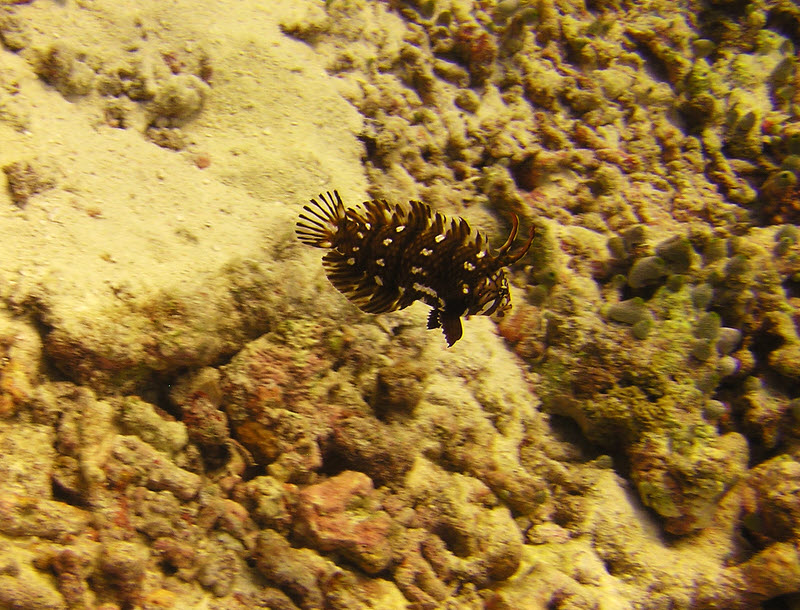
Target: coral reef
{"x":27,"y":178}
{"x":164,"y":94}
{"x":628,"y":437}
{"x":672,"y":347}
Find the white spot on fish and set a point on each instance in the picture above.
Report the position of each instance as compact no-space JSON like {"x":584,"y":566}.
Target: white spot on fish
{"x":439,"y":238}
{"x":400,"y":228}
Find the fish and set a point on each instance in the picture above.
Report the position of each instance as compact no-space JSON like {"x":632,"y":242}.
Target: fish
{"x":384,"y":257}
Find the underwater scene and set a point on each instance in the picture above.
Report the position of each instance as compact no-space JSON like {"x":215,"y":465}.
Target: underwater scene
{"x":400,"y":304}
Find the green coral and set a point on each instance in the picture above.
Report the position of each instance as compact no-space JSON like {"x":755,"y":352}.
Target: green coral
{"x":652,"y":394}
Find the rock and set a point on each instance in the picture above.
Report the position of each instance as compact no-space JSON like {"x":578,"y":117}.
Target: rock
{"x":301,"y":573}
{"x":343,"y":515}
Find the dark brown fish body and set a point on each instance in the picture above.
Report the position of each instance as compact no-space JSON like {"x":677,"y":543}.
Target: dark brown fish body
{"x":386,"y":257}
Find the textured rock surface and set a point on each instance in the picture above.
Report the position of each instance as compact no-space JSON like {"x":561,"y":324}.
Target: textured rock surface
{"x":192,"y":417}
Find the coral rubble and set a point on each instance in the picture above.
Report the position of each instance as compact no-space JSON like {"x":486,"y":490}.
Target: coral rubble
{"x":628,"y":437}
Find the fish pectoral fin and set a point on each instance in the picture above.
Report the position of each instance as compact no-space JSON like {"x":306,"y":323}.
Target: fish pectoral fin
{"x":451,"y":325}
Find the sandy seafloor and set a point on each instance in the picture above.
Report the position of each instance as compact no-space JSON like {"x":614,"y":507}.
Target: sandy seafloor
{"x":191,"y":416}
